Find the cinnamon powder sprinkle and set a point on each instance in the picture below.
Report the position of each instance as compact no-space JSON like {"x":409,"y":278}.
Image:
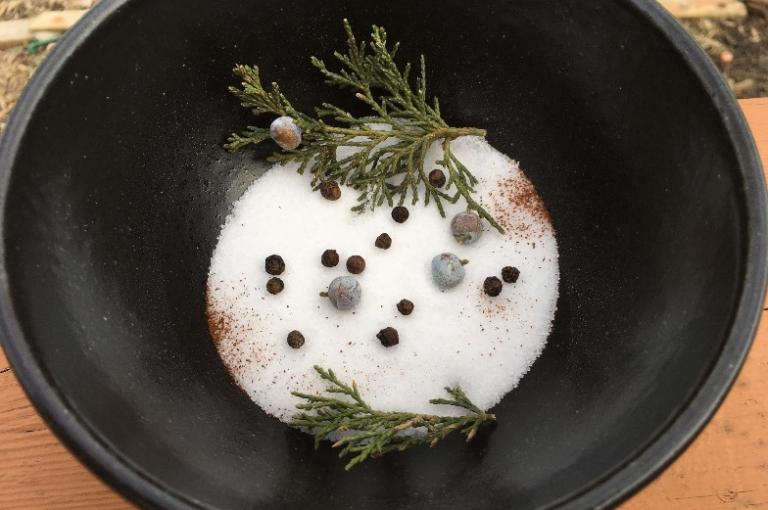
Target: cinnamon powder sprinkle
{"x":514,"y":195}
{"x":220,"y":322}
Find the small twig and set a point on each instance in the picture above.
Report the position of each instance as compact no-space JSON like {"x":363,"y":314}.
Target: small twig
{"x":33,"y":47}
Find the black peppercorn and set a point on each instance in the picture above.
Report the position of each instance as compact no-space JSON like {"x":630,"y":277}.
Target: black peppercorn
{"x":330,"y":258}
{"x":388,"y":337}
{"x":355,"y":264}
{"x":437,"y":178}
{"x":510,"y":274}
{"x":492,"y":286}
{"x":275,"y":285}
{"x":405,"y":306}
{"x":383,"y":241}
{"x":295,"y":339}
{"x":330,"y":190}
{"x":274,"y":265}
{"x":400,"y":214}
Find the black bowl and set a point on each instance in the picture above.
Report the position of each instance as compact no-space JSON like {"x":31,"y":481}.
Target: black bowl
{"x":115,"y":183}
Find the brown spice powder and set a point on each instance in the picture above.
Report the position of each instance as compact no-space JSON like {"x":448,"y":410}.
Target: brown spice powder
{"x":513,"y":195}
{"x":220,"y":322}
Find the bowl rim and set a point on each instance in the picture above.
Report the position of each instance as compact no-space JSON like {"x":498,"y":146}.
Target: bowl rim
{"x":129,"y":479}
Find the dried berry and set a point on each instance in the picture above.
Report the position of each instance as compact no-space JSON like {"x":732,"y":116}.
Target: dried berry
{"x":275,"y":285}
{"x":400,"y":214}
{"x":295,"y":339}
{"x":467,"y":227}
{"x":355,"y":264}
{"x":285,"y":133}
{"x":388,"y":337}
{"x":447,"y":270}
{"x":344,"y":292}
{"x":274,"y":265}
{"x":330,"y":258}
{"x":405,"y":306}
{"x":492,"y":286}
{"x":330,"y":190}
{"x":383,"y":241}
{"x":510,"y":274}
{"x":437,"y":178}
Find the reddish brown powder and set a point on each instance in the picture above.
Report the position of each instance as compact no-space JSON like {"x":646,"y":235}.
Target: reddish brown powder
{"x":515,"y":194}
{"x":224,"y":326}
{"x":220,"y":322}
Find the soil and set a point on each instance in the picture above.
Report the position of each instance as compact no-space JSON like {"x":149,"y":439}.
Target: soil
{"x":746,"y":41}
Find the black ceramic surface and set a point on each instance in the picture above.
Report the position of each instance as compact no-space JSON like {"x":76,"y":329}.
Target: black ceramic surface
{"x":115,"y":186}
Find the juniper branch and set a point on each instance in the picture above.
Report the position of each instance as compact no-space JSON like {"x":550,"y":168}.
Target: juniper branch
{"x":391,"y":174}
{"x":372,"y":433}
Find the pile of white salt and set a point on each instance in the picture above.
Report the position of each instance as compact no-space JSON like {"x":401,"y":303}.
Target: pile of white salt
{"x":455,"y":337}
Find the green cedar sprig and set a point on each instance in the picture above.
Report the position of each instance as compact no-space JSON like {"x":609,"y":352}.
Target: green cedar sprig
{"x":372,"y":433}
{"x":390,"y":173}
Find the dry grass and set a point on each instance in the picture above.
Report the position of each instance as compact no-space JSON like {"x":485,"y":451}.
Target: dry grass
{"x":739,"y":48}
{"x":16,"y":65}
{"x":15,"y":9}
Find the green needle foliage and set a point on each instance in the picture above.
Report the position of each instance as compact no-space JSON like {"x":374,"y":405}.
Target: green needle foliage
{"x":375,"y":433}
{"x":382,"y":173}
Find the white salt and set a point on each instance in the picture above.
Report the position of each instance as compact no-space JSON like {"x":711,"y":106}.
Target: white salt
{"x":460,"y":336}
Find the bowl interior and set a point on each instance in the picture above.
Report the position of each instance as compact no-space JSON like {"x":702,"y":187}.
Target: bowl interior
{"x":120,"y":186}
